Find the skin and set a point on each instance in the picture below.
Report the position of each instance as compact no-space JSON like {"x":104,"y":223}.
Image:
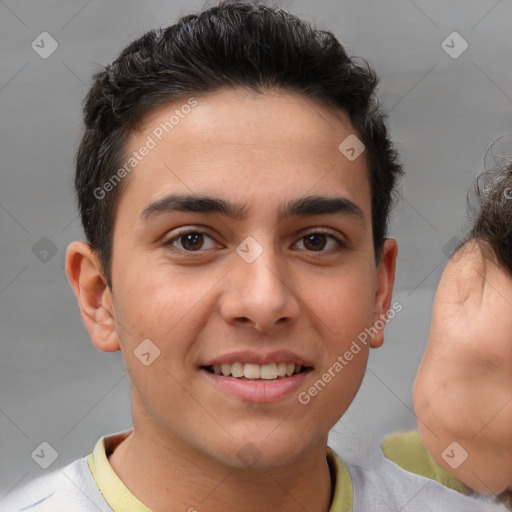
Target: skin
{"x":260,"y":151}
{"x":463,"y":390}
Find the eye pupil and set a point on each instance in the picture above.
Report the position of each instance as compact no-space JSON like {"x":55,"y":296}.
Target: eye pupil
{"x":195,"y":239}
{"x":314,"y":239}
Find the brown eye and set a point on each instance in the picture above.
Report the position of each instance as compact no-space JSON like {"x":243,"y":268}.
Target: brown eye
{"x":321,"y":242}
{"x":315,"y":241}
{"x":191,"y":241}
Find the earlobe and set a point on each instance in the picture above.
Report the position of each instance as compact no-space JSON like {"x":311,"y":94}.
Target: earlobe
{"x":94,"y":297}
{"x":384,"y":290}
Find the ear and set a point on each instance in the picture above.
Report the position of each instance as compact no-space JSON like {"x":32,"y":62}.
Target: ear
{"x":94,"y":297}
{"x":384,"y":290}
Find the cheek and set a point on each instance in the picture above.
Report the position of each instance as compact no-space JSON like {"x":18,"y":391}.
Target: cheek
{"x":342,"y":308}
{"x":170,"y":310}
{"x":343,"y":302}
{"x":159,"y":315}
{"x":155,"y":301}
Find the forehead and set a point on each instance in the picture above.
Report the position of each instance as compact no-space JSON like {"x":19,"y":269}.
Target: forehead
{"x":238,"y":144}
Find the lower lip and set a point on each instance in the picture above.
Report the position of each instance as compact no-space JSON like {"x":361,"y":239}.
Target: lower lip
{"x":258,"y":390}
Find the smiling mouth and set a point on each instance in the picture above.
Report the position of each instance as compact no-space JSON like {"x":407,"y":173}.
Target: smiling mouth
{"x":249,"y":371}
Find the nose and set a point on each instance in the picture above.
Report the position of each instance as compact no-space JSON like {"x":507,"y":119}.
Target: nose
{"x":259,"y":294}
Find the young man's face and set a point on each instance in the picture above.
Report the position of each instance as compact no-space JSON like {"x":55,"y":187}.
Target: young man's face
{"x":255,"y":287}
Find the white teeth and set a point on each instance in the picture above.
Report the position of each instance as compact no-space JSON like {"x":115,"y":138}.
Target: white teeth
{"x":269,"y":371}
{"x":226,"y":369}
{"x":237,"y":370}
{"x":252,"y":371}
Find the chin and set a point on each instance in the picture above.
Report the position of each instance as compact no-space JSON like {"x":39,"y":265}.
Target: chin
{"x":260,"y":453}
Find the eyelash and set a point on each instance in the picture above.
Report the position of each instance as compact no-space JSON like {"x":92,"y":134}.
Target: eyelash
{"x":340,"y":245}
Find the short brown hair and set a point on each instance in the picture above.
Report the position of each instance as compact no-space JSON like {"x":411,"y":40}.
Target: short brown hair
{"x":492,"y":228}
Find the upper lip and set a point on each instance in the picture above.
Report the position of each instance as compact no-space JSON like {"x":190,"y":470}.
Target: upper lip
{"x":249,"y":356}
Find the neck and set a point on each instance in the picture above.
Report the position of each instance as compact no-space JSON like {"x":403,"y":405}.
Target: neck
{"x":166,"y":474}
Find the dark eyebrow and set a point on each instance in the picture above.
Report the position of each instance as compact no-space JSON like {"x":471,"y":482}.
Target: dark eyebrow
{"x":300,"y":207}
{"x":193,"y":203}
{"x":320,"y":205}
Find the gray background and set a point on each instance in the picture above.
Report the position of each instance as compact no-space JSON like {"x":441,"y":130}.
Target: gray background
{"x":443,"y":114}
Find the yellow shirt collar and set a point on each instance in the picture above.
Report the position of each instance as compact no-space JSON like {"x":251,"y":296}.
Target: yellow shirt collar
{"x":120,"y":498}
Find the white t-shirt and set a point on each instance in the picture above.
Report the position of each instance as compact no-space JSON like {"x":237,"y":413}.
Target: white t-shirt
{"x":90,"y":484}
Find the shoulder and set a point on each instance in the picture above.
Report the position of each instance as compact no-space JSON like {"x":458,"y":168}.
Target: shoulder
{"x":70,"y":488}
{"x":406,"y":449}
{"x":401,"y":475}
{"x":408,"y":452}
